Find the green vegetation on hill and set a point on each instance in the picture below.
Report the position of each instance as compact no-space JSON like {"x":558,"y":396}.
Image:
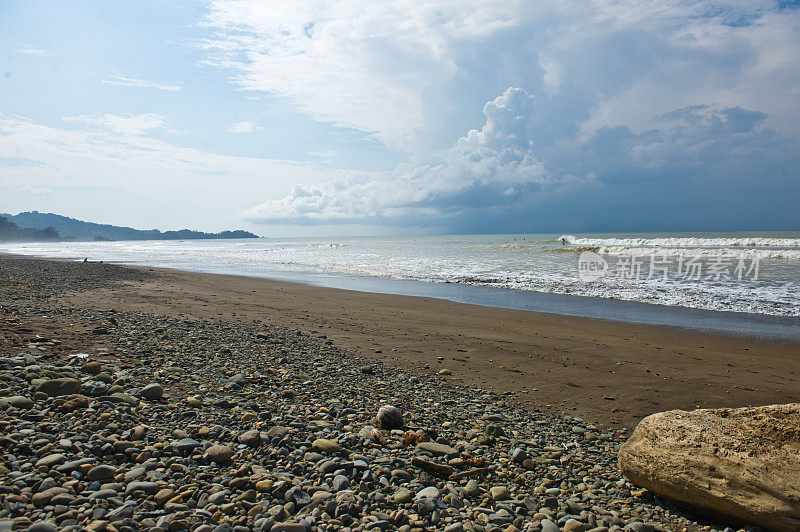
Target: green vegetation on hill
{"x":72,"y":229}
{"x":10,"y":232}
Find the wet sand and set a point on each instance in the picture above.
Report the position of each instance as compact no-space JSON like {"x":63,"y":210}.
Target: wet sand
{"x":606,"y":372}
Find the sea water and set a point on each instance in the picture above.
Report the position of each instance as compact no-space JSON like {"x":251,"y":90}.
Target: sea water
{"x":737,"y":272}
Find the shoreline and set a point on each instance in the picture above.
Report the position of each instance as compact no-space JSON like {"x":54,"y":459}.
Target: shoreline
{"x":612,"y":373}
{"x":172,"y":422}
{"x":246,"y":395}
{"x":768,"y":327}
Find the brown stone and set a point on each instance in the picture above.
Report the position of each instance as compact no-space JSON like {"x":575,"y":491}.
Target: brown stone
{"x":742,"y":464}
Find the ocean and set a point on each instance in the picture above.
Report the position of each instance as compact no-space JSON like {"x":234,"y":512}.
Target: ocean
{"x":755,"y":273}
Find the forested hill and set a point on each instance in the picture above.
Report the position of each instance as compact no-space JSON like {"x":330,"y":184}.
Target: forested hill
{"x":72,"y":229}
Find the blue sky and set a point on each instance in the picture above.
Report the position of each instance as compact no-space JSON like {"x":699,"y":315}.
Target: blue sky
{"x":357,"y":116}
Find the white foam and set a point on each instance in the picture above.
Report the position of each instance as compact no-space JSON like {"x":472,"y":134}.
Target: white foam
{"x":520,"y":262}
{"x":685,"y":242}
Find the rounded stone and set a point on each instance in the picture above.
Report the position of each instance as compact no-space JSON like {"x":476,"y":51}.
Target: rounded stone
{"x":153,"y":391}
{"x":326,"y":445}
{"x":431,"y":492}
{"x":18,"y":401}
{"x":251,"y":438}
{"x":101,"y":472}
{"x":57,"y":387}
{"x":389,"y":418}
{"x":218,"y":453}
{"x":41,"y":526}
{"x":499,"y":493}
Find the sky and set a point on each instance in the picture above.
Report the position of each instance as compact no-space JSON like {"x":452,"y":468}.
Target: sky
{"x":405,"y":117}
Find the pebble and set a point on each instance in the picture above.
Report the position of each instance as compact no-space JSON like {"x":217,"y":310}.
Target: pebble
{"x":101,"y":472}
{"x":18,"y":401}
{"x":218,"y":453}
{"x":388,"y":418}
{"x":437,"y":449}
{"x":58,"y":387}
{"x":499,"y":493}
{"x":251,"y":438}
{"x":152,"y":391}
{"x":327,"y":446}
{"x":268,"y":428}
{"x":431,"y":492}
{"x":402,"y":496}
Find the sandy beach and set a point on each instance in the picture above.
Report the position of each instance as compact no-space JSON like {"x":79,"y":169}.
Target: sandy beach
{"x":207,"y":401}
{"x":607,"y":372}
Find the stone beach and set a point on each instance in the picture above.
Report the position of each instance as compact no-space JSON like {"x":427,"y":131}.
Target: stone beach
{"x":122,"y":420}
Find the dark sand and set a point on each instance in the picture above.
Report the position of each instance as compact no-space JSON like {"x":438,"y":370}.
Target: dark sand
{"x":257,"y":398}
{"x":607,"y":372}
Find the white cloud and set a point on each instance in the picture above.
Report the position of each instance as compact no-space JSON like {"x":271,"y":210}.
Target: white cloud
{"x":42,"y":191}
{"x":131,"y":124}
{"x":117,"y":80}
{"x":386,"y":68}
{"x":29,"y":50}
{"x":124,"y":175}
{"x":493,"y":167}
{"x":363,"y":65}
{"x":243,"y":127}
{"x":325,"y":154}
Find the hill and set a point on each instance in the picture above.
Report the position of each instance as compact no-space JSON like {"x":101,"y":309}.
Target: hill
{"x":73,"y":229}
{"x":10,"y":232}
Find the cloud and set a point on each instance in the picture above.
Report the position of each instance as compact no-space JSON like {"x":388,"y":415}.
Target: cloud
{"x":361,"y":65}
{"x":42,"y":191}
{"x":402,"y":71}
{"x":130,"y":124}
{"x":123,"y":173}
{"x":117,"y":80}
{"x":29,"y":50}
{"x":243,"y":127}
{"x":491,"y":168}
{"x":324,"y":154}
{"x":496,"y":171}
{"x":698,"y":142}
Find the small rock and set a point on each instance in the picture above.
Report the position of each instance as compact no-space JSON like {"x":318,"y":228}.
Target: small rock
{"x":340,"y":482}
{"x":92,"y":368}
{"x":499,"y":493}
{"x":101,"y":472}
{"x":436,"y":449}
{"x":149,"y":488}
{"x":388,"y":418}
{"x":18,"y":401}
{"x":57,"y":387}
{"x":163,"y":495}
{"x":193,"y":402}
{"x":548,"y":526}
{"x":76,"y":402}
{"x":472,"y":488}
{"x":50,"y":460}
{"x":402,"y":496}
{"x":327,"y":446}
{"x":250,"y":438}
{"x":288,"y":527}
{"x":431,"y":492}
{"x":573,"y":525}
{"x":218,"y":453}
{"x":186,"y":445}
{"x":41,"y":526}
{"x":152,"y":392}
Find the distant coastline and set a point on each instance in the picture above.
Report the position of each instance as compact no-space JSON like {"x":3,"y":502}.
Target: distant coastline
{"x":34,"y":226}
